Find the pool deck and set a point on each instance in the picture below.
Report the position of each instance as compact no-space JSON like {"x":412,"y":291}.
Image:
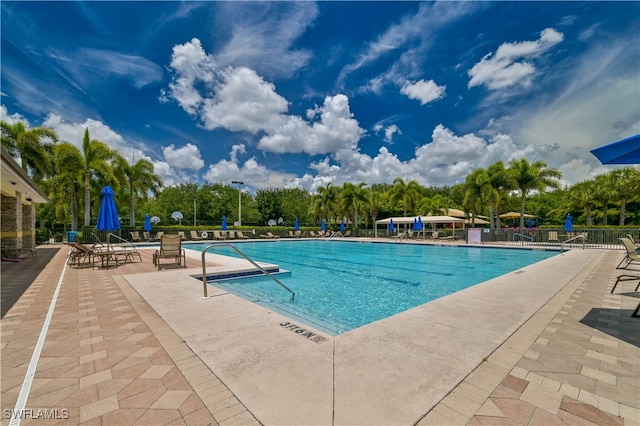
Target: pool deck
{"x":547,"y":344}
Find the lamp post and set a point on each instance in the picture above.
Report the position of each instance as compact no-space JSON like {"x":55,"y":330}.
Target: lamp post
{"x":239,"y":183}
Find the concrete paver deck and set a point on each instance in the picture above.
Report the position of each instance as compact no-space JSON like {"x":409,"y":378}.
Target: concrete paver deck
{"x":113,"y":354}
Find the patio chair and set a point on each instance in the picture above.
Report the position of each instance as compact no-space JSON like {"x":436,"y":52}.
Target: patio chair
{"x":159,"y":235}
{"x":83,"y":255}
{"x":297,"y":234}
{"x":170,"y":248}
{"x":241,"y":236}
{"x":269,"y":235}
{"x":631,"y":256}
{"x":135,"y":236}
{"x":195,"y":236}
{"x":291,"y":234}
{"x":181,"y":233}
{"x":312,"y":234}
{"x":553,"y":236}
{"x":217,"y":235}
{"x":147,"y":236}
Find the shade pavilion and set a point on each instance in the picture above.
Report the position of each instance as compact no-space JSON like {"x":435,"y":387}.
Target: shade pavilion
{"x":407,"y":221}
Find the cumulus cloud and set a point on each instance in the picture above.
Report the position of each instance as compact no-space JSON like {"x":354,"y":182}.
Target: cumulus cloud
{"x":423,"y":91}
{"x":239,"y":100}
{"x":12,"y":118}
{"x":74,"y":132}
{"x":512,"y":64}
{"x":335,"y":128}
{"x":185,"y":157}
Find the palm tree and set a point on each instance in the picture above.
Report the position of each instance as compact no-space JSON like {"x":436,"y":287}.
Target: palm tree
{"x":583,"y":196}
{"x":66,"y":182}
{"x":529,"y":177}
{"x":140,"y":180}
{"x":329,"y":201}
{"x":33,"y":146}
{"x":625,"y":182}
{"x":407,"y":194}
{"x":499,"y":180}
{"x":604,"y":193}
{"x":97,"y":157}
{"x":354,"y":198}
{"x":478,"y":193}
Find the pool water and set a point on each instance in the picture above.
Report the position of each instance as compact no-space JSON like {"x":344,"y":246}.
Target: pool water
{"x":342,"y":285}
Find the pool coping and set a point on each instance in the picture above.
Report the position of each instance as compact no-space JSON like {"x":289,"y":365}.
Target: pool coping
{"x":388,"y":372}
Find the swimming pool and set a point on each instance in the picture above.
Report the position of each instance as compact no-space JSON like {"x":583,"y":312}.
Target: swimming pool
{"x":342,"y":285}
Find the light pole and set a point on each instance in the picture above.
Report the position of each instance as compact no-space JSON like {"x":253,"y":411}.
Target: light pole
{"x":239,"y":183}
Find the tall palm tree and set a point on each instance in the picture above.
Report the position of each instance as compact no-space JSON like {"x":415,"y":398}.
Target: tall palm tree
{"x":97,"y":158}
{"x":140,"y":181}
{"x":478,"y":193}
{"x":625,"y":182}
{"x":354,"y":198}
{"x":66,"y":183}
{"x":583,"y":196}
{"x":529,"y":177}
{"x":33,"y":146}
{"x":604,"y":193}
{"x":329,"y":201}
{"x":406,"y":194}
{"x":499,"y":180}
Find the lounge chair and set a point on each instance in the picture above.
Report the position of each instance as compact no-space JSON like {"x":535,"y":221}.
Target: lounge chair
{"x":269,"y":235}
{"x":195,"y":236}
{"x":181,"y":233}
{"x":631,"y":256}
{"x":170,"y":248}
{"x":83,"y":255}
{"x":402,"y":236}
{"x":147,"y":235}
{"x":218,"y":235}
{"x":135,"y":236}
{"x":553,"y":236}
{"x":291,"y":234}
{"x":312,"y":234}
{"x":159,"y":235}
{"x":297,"y":234}
{"x":240,"y":235}
{"x":435,"y":235}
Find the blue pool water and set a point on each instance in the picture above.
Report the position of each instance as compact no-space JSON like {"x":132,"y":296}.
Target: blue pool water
{"x":342,"y":285}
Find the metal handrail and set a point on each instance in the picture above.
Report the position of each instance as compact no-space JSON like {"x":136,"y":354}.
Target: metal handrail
{"x":584,"y":241}
{"x":525,"y":237}
{"x":264,"y":271}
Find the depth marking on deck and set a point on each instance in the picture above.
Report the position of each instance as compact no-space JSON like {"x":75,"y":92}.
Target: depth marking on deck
{"x":314,"y":337}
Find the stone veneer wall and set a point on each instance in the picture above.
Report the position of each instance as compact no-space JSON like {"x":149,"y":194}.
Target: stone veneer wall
{"x":11,"y":221}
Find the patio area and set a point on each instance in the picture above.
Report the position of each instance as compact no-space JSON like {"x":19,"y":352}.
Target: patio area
{"x":132,"y":345}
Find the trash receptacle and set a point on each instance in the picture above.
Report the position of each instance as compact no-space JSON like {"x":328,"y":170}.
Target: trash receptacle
{"x":71,"y":236}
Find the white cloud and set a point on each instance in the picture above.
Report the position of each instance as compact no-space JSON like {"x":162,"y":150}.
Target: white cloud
{"x":424,"y":91}
{"x":254,"y":175}
{"x":263,"y":36}
{"x":390,"y":131}
{"x":74,"y":132}
{"x":335,"y":128}
{"x":512,"y":63}
{"x":12,"y":118}
{"x":243,"y":101}
{"x":185,"y":157}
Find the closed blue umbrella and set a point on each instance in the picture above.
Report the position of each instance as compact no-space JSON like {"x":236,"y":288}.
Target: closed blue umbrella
{"x":342,"y":226}
{"x":419,"y":223}
{"x":296,"y":225}
{"x":392,"y":227}
{"x":224,"y":223}
{"x":568,"y":225}
{"x":108,"y":219}
{"x":415,"y":224}
{"x":147,"y":222}
{"x":323,"y":225}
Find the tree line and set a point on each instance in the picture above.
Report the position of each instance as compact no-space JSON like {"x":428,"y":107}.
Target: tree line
{"x":73,"y":178}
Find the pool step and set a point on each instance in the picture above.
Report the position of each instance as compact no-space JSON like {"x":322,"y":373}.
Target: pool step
{"x":231,"y":275}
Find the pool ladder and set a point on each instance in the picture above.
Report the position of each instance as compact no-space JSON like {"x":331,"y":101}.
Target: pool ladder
{"x":264,"y":271}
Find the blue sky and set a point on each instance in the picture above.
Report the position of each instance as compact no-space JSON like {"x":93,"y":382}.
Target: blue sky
{"x":300,"y":94}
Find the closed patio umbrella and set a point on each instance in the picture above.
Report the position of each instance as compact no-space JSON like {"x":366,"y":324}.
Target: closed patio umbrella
{"x":392,"y":227}
{"x":342,"y":226}
{"x":147,"y":222}
{"x":108,"y":219}
{"x":296,"y":225}
{"x":568,"y":225}
{"x":224,"y":223}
